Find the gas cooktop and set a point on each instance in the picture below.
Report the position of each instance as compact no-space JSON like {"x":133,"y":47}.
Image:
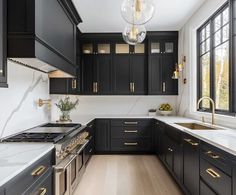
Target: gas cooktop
{"x":50,"y":132}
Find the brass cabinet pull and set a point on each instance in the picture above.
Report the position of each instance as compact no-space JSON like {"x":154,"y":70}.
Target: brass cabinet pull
{"x":93,"y":87}
{"x":39,"y":171}
{"x":191,"y":142}
{"x":212,"y":155}
{"x":96,"y":87}
{"x":74,"y":84}
{"x":130,"y":87}
{"x":171,"y":150}
{"x":130,"y":143}
{"x":131,"y":131}
{"x":90,"y":150}
{"x":42,"y":191}
{"x":213,"y":173}
{"x":164,"y":87}
{"x":133,"y":87}
{"x":131,"y":123}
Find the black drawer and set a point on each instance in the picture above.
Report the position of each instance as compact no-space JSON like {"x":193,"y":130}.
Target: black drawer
{"x":130,"y":122}
{"x":217,"y":157}
{"x":131,"y":132}
{"x":139,"y":145}
{"x":88,"y":151}
{"x":215,"y":178}
{"x":42,"y":186}
{"x":205,"y":189}
{"x":29,"y":176}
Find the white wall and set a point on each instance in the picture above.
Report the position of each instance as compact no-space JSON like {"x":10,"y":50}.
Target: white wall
{"x":18,"y":108}
{"x":187,"y":46}
{"x":114,"y":105}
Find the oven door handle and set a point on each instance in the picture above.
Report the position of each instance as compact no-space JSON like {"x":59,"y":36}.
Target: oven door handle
{"x":63,"y":168}
{"x":83,"y":146}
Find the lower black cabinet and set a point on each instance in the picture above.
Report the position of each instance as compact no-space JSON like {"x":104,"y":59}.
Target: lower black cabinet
{"x":102,"y":135}
{"x":2,"y":191}
{"x":44,"y":186}
{"x":191,"y":164}
{"x":205,"y":189}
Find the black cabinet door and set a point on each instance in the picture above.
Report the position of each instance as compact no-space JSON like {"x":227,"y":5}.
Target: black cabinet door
{"x":102,"y":135}
{"x":104,"y":74}
{"x":139,"y":74}
{"x":59,"y":86}
{"x":88,"y":70}
{"x":3,"y":44}
{"x":155,"y":75}
{"x":73,"y":86}
{"x":178,"y":161}
{"x":191,"y":164}
{"x":170,"y":86}
{"x":122,"y":78}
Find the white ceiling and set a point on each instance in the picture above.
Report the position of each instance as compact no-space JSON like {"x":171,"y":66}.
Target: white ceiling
{"x":104,"y":15}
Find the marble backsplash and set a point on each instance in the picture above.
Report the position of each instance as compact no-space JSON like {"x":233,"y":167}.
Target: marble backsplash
{"x":113,"y":105}
{"x":18,"y":103}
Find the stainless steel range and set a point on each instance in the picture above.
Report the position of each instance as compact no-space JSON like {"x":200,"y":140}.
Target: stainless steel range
{"x":69,"y":140}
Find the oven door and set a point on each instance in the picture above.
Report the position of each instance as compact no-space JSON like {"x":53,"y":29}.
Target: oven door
{"x":65,"y":175}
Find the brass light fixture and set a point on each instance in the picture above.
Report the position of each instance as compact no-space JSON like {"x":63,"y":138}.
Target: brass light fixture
{"x":179,"y":69}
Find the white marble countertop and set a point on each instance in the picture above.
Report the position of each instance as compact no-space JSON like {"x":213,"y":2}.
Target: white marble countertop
{"x":16,"y":157}
{"x":223,"y":138}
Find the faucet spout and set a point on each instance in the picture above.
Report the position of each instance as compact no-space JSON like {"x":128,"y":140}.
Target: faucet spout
{"x":212,"y":107}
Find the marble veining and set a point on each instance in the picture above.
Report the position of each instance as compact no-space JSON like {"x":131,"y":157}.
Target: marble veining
{"x":15,"y":157}
{"x":35,"y":82}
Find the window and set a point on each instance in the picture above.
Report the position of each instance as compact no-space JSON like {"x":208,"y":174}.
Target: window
{"x":213,"y":61}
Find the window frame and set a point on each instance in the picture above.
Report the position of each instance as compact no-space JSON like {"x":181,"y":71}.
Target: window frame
{"x":210,"y":21}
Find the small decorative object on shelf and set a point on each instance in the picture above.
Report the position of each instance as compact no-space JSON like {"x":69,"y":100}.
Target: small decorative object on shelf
{"x":65,"y":106}
{"x":165,"y":109}
{"x":152,"y":112}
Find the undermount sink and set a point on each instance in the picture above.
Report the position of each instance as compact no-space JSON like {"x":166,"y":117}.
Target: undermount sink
{"x":195,"y":126}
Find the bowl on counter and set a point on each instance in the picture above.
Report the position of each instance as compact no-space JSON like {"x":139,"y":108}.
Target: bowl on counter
{"x":165,"y":113}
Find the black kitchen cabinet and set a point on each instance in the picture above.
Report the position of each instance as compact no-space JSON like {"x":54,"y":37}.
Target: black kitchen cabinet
{"x":102,"y":135}
{"x":2,"y":191}
{"x":89,"y":149}
{"x":163,"y":56}
{"x":44,"y":31}
{"x":96,"y":69}
{"x":3,"y":43}
{"x":34,"y":178}
{"x":130,"y":70}
{"x":191,"y":164}
{"x":64,"y":86}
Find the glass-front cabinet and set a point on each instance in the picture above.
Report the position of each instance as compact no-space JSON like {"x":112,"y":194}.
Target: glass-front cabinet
{"x":162,"y":47}
{"x":96,"y":48}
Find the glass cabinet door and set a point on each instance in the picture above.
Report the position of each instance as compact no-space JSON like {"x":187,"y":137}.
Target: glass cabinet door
{"x":103,"y":48}
{"x":169,"y":47}
{"x":121,"y":48}
{"x":87,"y":48}
{"x":139,"y":49}
{"x":155,"y":48}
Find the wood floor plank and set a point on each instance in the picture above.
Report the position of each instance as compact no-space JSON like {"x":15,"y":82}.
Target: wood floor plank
{"x":126,"y":175}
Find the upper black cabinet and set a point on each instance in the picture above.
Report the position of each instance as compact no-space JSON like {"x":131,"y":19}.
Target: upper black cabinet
{"x":3,"y":44}
{"x":163,"y":56}
{"x":44,"y":31}
{"x":97,"y":68}
{"x":130,"y":69}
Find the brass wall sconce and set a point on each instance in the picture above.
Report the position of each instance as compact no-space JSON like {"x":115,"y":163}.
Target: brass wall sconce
{"x":179,"y":68}
{"x":42,"y":102}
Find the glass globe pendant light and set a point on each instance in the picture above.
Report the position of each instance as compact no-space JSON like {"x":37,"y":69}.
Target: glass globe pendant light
{"x":137,"y":12}
{"x":134,"y":34}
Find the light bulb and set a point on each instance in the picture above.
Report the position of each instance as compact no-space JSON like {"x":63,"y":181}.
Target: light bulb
{"x":134,"y":34}
{"x":137,"y":11}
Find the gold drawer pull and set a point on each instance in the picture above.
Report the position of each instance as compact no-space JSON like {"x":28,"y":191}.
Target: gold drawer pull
{"x":131,"y":144}
{"x":212,"y":155}
{"x":171,"y":150}
{"x":39,"y":171}
{"x":90,"y":150}
{"x":212,"y":173}
{"x":191,"y":142}
{"x":133,"y":131}
{"x":42,"y":191}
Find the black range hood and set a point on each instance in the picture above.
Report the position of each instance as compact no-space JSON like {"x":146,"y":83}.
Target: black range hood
{"x":42,"y":34}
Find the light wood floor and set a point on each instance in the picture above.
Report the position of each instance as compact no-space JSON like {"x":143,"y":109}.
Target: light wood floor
{"x":126,"y":175}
